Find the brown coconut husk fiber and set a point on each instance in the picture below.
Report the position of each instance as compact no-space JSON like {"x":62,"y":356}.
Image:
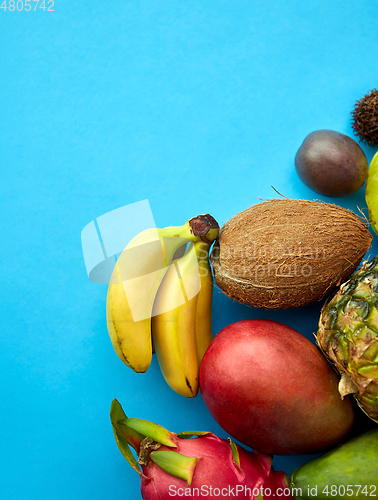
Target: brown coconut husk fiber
{"x":288,"y":253}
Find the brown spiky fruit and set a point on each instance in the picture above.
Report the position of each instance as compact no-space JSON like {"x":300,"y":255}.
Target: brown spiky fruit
{"x":365,"y":118}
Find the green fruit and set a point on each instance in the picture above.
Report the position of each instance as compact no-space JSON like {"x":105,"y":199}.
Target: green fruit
{"x":348,"y":335}
{"x":371,"y":192}
{"x":331,"y":163}
{"x":348,"y":471}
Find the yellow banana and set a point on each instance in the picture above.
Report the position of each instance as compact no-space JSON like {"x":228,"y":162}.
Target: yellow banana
{"x":135,"y":281}
{"x":181,"y":323}
{"x":203,"y":330}
{"x":132,"y":289}
{"x":173,"y":325}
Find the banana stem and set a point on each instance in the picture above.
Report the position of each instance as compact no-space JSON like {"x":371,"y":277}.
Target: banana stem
{"x":205,"y":226}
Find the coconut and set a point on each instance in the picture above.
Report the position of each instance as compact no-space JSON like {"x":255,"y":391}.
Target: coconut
{"x":288,"y":253}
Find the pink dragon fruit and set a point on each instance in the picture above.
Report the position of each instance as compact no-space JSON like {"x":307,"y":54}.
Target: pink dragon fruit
{"x":194,"y":464}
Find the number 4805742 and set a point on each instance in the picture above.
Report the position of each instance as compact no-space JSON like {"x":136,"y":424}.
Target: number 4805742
{"x":28,"y":5}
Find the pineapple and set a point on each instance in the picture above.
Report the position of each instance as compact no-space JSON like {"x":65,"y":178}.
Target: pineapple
{"x":348,"y":335}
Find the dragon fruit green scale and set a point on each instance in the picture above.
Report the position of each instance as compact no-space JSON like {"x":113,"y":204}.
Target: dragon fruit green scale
{"x":194,"y":464}
{"x":348,"y":335}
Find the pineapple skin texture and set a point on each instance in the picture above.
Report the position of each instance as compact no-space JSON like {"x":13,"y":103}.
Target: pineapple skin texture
{"x":348,"y":336}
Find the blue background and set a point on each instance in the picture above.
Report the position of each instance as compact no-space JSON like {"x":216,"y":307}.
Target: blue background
{"x":196,"y":106}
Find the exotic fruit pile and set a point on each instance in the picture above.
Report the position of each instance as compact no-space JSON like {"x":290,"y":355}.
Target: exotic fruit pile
{"x":288,"y":253}
{"x":267,"y":385}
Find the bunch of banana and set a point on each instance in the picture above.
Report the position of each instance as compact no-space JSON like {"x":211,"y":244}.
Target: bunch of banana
{"x":156,"y":292}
